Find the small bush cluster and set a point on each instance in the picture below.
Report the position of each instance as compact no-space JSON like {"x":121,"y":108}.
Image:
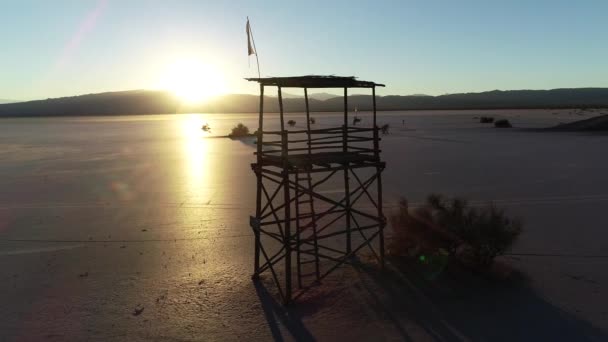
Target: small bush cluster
{"x":291,"y":123}
{"x":475,"y":235}
{"x":486,"y":119}
{"x":384,"y":129}
{"x":239,"y":131}
{"x":502,"y":123}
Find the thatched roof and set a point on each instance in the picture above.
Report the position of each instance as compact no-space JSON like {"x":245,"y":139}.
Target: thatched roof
{"x":315,"y":81}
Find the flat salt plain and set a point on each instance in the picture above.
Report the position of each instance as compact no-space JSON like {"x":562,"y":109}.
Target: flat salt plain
{"x":100,"y":216}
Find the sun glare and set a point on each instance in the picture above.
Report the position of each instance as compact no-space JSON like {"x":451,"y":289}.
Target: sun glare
{"x":193,"y":81}
{"x":198,"y":167}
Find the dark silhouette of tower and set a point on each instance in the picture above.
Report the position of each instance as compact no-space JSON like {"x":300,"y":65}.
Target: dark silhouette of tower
{"x":297,"y":215}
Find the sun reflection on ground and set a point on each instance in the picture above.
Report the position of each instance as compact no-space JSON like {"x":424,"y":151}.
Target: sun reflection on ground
{"x":196,"y":151}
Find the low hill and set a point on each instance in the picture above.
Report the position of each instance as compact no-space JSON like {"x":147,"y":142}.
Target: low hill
{"x":598,"y":123}
{"x":156,"y":102}
{"x":111,"y":103}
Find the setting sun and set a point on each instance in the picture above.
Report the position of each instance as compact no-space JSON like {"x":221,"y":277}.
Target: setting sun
{"x":192,"y":80}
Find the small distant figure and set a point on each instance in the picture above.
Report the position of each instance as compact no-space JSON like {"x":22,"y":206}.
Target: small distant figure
{"x":291,"y":123}
{"x":356,"y":120}
{"x":312,"y":121}
{"x":206,"y":128}
{"x":384,"y":129}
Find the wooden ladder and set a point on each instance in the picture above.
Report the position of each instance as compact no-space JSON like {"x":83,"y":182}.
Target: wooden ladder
{"x":305,"y":221}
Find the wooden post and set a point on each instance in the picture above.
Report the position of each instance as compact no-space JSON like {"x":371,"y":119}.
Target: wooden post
{"x":258,"y":173}
{"x":381,"y":217}
{"x":376,"y":137}
{"x":281,"y":109}
{"x":379,"y":180}
{"x":346,"y":179}
{"x":310,"y":187}
{"x":286,"y":195}
{"x":307,"y":119}
{"x":297,"y":233}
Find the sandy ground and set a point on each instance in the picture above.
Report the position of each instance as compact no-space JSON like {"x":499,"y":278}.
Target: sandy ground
{"x":136,"y":228}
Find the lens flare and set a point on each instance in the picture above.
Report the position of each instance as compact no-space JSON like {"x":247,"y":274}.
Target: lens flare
{"x":193,"y":81}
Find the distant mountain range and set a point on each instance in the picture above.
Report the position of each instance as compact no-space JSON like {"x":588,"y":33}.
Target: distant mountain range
{"x":111,"y":103}
{"x":6,"y":101}
{"x":159,"y":102}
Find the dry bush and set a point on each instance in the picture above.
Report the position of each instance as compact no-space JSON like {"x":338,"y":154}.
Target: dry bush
{"x":291,"y":123}
{"x":239,"y":131}
{"x":415,"y":233}
{"x":486,"y":231}
{"x":475,"y":235}
{"x":384,"y":129}
{"x":502,"y":123}
{"x":486,"y":119}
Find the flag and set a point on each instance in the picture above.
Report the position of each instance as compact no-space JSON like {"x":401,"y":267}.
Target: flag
{"x":250,"y":49}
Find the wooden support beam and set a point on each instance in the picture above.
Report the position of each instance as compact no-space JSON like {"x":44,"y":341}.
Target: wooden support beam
{"x":346,"y":178}
{"x":259,"y":185}
{"x":307,"y":119}
{"x":376,"y":137}
{"x":379,"y":182}
{"x":287,"y":201}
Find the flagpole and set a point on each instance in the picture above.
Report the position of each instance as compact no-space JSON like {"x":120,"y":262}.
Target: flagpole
{"x":257,"y":60}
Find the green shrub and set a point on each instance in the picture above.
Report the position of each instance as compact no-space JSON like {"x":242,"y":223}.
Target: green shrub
{"x":239,"y":130}
{"x":502,"y":123}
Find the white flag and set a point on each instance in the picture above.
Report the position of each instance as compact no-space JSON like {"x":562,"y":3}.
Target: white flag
{"x":250,"y":49}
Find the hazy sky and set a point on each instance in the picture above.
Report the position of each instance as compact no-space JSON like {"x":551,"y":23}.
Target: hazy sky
{"x":59,"y":48}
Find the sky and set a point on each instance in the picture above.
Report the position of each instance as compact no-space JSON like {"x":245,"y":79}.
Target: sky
{"x":71,"y":47}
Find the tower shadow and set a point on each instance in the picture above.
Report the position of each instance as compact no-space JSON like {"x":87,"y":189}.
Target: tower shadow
{"x":278,"y":315}
{"x":464,"y":306}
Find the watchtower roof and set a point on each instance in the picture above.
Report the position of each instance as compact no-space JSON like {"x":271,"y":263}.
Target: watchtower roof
{"x":315,"y":81}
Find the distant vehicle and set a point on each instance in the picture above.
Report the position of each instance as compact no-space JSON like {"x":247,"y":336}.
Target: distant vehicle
{"x":206,"y":128}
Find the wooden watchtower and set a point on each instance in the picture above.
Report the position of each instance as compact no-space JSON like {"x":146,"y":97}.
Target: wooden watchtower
{"x":295,"y":216}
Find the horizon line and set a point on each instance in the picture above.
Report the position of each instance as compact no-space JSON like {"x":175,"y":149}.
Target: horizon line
{"x":12,"y":101}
